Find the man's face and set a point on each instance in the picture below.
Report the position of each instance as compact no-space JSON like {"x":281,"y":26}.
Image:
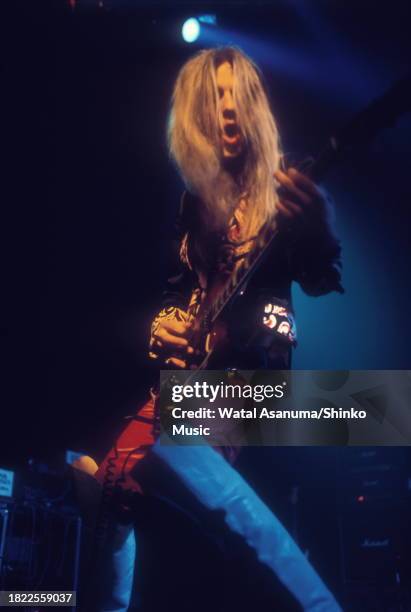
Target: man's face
{"x":232,"y":143}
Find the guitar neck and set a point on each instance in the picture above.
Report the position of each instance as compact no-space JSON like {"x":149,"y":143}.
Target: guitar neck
{"x":243,"y":273}
{"x":264,"y":244}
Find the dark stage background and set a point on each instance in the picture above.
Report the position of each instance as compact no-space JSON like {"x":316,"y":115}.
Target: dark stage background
{"x":87,"y":94}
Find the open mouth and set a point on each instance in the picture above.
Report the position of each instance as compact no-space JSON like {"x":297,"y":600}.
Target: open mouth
{"x":231,"y":134}
{"x":231,"y":129}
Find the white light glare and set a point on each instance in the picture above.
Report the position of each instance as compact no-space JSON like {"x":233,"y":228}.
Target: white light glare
{"x":191,"y":30}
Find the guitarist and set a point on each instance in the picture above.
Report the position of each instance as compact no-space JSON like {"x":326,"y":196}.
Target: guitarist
{"x":225,"y":143}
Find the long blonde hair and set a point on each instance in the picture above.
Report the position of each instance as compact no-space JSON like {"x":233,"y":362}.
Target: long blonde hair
{"x":193,"y":138}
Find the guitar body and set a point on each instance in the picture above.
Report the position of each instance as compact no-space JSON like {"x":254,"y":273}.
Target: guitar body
{"x":116,"y":470}
{"x":140,"y":433}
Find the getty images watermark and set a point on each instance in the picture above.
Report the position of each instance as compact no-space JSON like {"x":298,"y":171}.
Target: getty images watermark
{"x":282,"y":407}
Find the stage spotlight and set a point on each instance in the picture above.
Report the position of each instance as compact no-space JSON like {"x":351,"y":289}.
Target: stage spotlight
{"x":191,"y":30}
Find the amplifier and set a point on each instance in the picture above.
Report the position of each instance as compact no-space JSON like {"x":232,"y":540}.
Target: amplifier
{"x":375,"y":543}
{"x":371,"y":456}
{"x":372,"y":598}
{"x":373,"y":474}
{"x":39,"y":547}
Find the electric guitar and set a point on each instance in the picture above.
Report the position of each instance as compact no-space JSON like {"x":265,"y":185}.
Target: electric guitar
{"x":209,"y":330}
